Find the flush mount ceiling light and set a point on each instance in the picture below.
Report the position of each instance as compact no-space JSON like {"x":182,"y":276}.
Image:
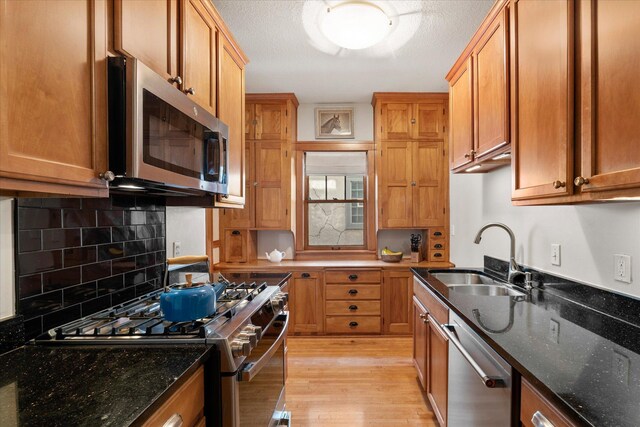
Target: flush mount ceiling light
{"x":355,"y":24}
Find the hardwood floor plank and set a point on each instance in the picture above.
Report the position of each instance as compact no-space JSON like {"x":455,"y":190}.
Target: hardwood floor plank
{"x":355,"y":382}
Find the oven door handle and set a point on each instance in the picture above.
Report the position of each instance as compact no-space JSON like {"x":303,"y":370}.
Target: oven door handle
{"x":252,"y":369}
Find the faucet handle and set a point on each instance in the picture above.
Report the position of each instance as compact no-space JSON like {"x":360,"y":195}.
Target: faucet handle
{"x":528,"y":280}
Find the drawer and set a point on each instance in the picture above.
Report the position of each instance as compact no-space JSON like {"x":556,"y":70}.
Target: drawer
{"x":353,"y":325}
{"x":438,"y":255}
{"x":534,"y":404}
{"x":352,"y":292}
{"x":432,"y":303}
{"x":351,"y":308}
{"x":437,"y":234}
{"x":306,"y":275}
{"x":353,"y":276}
{"x":437,"y":245}
{"x":187,"y":401}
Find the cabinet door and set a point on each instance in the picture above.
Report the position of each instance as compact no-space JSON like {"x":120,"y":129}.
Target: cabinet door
{"x":272,"y":185}
{"x":232,"y":114}
{"x":148,"y":30}
{"x":249,"y":121}
{"x":245,"y":217}
{"x":428,"y":121}
{"x":396,"y":195}
{"x":542,"y":98}
{"x":306,"y":303}
{"x":461,"y":113}
{"x":235,"y":245}
{"x":438,"y":365}
{"x":199,"y":58}
{"x":397,"y":290}
{"x":53,"y":96}
{"x":428,"y":184}
{"x":491,"y":90}
{"x":271,"y":122}
{"x":610,"y":52}
{"x":397,"y":121}
{"x":420,"y":342}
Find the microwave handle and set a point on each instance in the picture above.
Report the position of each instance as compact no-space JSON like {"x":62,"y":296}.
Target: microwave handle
{"x":253,"y":369}
{"x":224,"y":157}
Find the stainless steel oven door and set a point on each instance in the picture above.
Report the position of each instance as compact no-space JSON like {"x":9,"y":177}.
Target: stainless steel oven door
{"x":255,"y":396}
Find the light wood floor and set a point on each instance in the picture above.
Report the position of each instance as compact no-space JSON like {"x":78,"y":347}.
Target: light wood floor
{"x":354,"y":382}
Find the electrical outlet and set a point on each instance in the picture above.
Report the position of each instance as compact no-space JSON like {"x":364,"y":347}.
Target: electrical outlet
{"x":453,"y":230}
{"x":622,"y":268}
{"x":621,"y":367}
{"x":177,"y":249}
{"x":555,"y":254}
{"x":554,"y":331}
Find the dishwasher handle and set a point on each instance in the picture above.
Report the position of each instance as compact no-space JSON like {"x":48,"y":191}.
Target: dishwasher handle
{"x":488,"y":381}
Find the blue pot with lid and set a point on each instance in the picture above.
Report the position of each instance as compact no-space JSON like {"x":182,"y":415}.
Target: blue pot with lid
{"x":188,"y":301}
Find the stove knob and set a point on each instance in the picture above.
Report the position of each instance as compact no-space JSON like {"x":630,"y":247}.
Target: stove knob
{"x":278,"y":303}
{"x":255,"y":329}
{"x":249,"y":336}
{"x":284,"y":296}
{"x":240,"y":348}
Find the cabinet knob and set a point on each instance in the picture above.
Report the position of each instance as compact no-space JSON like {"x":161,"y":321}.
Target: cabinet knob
{"x":353,"y":324}
{"x":580,"y":181}
{"x":174,"y":420}
{"x":190,"y":91}
{"x":255,"y":183}
{"x":425,"y":320}
{"x":413,"y":183}
{"x":353,"y":291}
{"x":413,"y":121}
{"x":176,"y":79}
{"x":235,"y":232}
{"x":254,"y":122}
{"x":353,"y":276}
{"x":107,"y":176}
{"x":437,"y":255}
{"x":559,"y":184}
{"x":423,"y":315}
{"x":353,"y":307}
{"x":437,"y":233}
{"x":305,"y":275}
{"x":438,"y":246}
{"x":470,"y":155}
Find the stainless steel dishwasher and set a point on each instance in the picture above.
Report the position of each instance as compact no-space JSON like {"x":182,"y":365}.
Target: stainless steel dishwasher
{"x":479,"y":380}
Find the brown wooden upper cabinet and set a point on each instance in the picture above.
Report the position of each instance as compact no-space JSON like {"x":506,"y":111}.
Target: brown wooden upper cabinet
{"x":267,"y":121}
{"x":412,"y":176}
{"x":53,"y":135}
{"x":479,"y":97}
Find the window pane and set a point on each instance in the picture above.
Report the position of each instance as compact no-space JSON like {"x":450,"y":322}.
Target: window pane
{"x":317,"y":188}
{"x":355,"y":187}
{"x":335,"y":188}
{"x":329,"y":225}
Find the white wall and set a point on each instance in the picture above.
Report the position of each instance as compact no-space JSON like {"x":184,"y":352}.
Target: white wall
{"x":589,"y":234}
{"x":362,"y":121}
{"x":187,"y":226}
{"x":7,"y":266}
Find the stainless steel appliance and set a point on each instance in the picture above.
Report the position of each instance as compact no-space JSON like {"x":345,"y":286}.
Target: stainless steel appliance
{"x":480,"y":381}
{"x":160,"y":141}
{"x":248,"y":329}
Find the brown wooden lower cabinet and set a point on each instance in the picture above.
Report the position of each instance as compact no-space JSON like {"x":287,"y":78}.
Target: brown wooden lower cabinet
{"x":353,"y":303}
{"x":353,"y":324}
{"x":397,"y":292}
{"x":535,"y":409}
{"x":306,"y":303}
{"x":187,"y":402}
{"x":420,"y":341}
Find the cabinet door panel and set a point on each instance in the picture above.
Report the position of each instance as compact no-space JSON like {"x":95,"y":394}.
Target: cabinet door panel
{"x":428,"y":193}
{"x":199,"y":56}
{"x":148,"y":30}
{"x":231,"y":113}
{"x":397,"y":292}
{"x":396,"y":121}
{"x":272,"y":195}
{"x":306,"y":303}
{"x":249,"y":121}
{"x":490,"y":90}
{"x":542,"y":98}
{"x":271,"y":122}
{"x":396,"y":202}
{"x":245,"y":217}
{"x":420,"y":342}
{"x":438,"y":365}
{"x":461,"y":111}
{"x":53,"y":95}
{"x":611,"y":94}
{"x":429,"y":121}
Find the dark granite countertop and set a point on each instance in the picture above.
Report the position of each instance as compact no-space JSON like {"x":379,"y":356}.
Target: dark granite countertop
{"x":91,"y":386}
{"x":592,"y":370}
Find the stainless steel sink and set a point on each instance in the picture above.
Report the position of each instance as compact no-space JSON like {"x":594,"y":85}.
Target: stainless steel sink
{"x":497,"y":290}
{"x":459,"y":278}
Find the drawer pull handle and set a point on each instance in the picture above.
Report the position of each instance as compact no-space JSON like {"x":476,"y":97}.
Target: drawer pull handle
{"x":438,"y":246}
{"x":174,"y":420}
{"x":353,"y":277}
{"x":353,"y":324}
{"x":437,"y":255}
{"x":539,"y":420}
{"x":235,"y":232}
{"x":437,"y":233}
{"x":353,"y":291}
{"x":305,"y":275}
{"x":353,"y":307}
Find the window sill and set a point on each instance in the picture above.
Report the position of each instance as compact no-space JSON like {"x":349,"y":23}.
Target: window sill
{"x":360,"y":254}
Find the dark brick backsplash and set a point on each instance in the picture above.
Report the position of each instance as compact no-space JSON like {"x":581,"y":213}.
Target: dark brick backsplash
{"x":79,"y":256}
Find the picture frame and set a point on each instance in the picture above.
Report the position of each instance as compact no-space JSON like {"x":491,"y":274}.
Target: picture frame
{"x":334,"y":123}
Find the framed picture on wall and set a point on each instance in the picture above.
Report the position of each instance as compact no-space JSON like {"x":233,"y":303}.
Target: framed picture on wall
{"x":334,"y":123}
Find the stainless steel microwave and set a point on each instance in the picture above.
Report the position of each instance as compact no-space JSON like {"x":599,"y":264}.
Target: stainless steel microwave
{"x":160,"y":141}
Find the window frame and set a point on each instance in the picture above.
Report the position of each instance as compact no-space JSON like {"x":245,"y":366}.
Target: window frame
{"x":368,"y":248}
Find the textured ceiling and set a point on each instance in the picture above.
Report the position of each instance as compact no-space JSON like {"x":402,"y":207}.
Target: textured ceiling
{"x":288,"y":54}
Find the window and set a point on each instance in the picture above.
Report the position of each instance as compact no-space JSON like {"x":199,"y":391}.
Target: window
{"x":335,"y":200}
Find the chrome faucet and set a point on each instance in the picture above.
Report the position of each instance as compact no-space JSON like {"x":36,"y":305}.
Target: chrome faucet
{"x":514,"y":268}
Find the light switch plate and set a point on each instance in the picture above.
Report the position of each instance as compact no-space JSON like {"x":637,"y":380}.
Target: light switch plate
{"x":555,"y":254}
